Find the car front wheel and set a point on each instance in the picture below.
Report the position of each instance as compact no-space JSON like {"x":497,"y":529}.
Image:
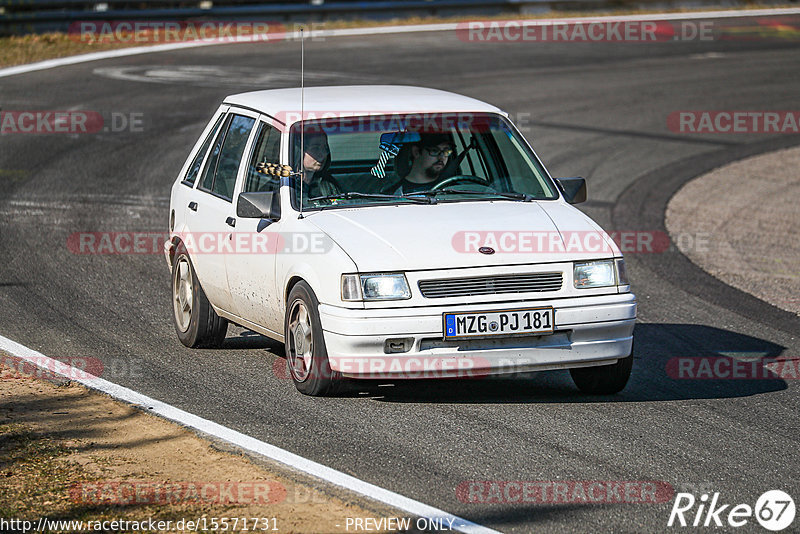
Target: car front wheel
{"x":306,"y":355}
{"x":196,"y":322}
{"x":603,"y":380}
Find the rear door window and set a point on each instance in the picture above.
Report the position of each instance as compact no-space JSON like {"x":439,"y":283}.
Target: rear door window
{"x":194,"y":168}
{"x":213,"y":157}
{"x":226,"y":156}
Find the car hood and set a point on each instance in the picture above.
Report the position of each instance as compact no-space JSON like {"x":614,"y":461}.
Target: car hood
{"x":449,"y":235}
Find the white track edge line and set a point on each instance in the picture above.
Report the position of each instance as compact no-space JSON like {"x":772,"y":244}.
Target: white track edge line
{"x":379,"y":30}
{"x":242,"y":441}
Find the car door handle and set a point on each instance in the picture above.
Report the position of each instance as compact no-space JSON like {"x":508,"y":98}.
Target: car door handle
{"x":193,"y":206}
{"x":231,"y":221}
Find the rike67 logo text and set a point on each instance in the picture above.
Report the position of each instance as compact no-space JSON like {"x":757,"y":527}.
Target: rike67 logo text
{"x":774,"y":510}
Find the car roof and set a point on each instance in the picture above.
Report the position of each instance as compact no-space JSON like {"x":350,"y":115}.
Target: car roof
{"x":284,"y":104}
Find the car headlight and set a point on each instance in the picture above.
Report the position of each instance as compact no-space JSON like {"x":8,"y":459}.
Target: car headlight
{"x":375,"y":287}
{"x":598,"y":273}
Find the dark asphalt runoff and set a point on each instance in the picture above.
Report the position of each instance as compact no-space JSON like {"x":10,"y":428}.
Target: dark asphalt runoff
{"x":594,"y":110}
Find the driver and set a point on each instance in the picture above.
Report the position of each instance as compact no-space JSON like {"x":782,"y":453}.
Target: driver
{"x":316,"y":176}
{"x":427,"y":158}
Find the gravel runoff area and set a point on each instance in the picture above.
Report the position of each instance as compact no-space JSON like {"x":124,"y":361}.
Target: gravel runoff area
{"x":743,"y":218}
{"x":68,"y":453}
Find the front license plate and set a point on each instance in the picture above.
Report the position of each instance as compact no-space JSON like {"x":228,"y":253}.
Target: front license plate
{"x":529,"y":321}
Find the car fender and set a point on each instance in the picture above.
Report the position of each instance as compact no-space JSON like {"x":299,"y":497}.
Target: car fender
{"x":323,"y":275}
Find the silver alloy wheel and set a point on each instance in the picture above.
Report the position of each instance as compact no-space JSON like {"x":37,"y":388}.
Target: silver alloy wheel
{"x":301,"y":341}
{"x":182,"y":293}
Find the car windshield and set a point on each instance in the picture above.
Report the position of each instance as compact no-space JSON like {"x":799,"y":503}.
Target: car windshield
{"x":419,"y":158}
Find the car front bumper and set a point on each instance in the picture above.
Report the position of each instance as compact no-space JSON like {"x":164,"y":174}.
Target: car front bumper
{"x":589,"y":331}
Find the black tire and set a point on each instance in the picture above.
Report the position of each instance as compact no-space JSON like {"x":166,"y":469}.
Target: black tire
{"x":198,"y":325}
{"x":310,"y":370}
{"x":603,"y":380}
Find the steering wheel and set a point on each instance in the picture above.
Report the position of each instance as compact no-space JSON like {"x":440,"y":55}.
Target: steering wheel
{"x":466,"y":178}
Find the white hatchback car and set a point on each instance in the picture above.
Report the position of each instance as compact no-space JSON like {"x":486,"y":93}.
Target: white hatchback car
{"x":418,"y":236}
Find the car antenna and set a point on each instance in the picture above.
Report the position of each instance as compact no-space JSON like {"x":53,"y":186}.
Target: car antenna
{"x":302,"y":116}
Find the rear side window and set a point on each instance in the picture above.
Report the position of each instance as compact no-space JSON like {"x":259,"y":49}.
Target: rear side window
{"x":219,"y":176}
{"x":194,"y":168}
{"x":265,"y":150}
{"x":231,"y":156}
{"x":213,"y":157}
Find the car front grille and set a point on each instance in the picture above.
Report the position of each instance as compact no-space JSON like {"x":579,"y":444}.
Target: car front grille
{"x":491,"y":285}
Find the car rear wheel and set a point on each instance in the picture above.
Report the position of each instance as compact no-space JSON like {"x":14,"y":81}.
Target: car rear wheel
{"x":306,"y":355}
{"x":603,"y":380}
{"x":196,"y":322}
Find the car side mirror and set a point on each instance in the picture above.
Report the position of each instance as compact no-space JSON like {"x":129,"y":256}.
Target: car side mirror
{"x":259,"y":205}
{"x":574,"y":189}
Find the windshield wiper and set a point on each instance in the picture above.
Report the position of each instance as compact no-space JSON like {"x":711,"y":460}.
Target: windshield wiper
{"x":355,"y":194}
{"x":524,"y":197}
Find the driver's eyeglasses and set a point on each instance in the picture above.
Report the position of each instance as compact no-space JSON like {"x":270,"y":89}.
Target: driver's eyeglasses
{"x":435,"y":152}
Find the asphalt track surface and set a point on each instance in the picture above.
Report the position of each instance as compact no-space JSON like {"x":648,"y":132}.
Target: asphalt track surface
{"x":596,"y":110}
